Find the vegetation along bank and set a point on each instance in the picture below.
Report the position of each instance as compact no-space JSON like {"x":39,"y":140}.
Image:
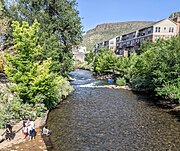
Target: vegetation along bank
{"x":35,"y":57}
{"x":155,"y":70}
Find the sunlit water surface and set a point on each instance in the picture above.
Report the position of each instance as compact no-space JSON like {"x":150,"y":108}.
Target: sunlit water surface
{"x":102,"y":119}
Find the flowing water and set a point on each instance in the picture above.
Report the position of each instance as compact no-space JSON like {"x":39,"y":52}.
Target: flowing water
{"x":103,"y":119}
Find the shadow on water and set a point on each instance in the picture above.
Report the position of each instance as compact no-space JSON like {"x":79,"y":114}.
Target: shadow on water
{"x":152,"y":101}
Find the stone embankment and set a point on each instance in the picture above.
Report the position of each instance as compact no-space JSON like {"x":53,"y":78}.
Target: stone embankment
{"x":19,"y":143}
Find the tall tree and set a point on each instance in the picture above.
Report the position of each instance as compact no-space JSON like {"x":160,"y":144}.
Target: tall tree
{"x":35,"y":83}
{"x":60,"y":27}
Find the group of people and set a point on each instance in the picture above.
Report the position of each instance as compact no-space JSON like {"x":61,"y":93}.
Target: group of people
{"x":29,"y":129}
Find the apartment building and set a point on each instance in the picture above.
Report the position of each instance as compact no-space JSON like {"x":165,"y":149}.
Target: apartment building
{"x":130,"y":42}
{"x":79,"y":53}
{"x":110,"y":44}
{"x":97,"y":46}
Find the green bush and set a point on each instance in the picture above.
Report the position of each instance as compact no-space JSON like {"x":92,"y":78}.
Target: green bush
{"x":104,"y":61}
{"x":2,"y":62}
{"x":12,"y":108}
{"x":121,"y":81}
{"x":157,"y":69}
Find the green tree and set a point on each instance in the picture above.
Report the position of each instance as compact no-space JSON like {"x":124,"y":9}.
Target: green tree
{"x":167,"y":71}
{"x":142,"y":73}
{"x":104,"y":61}
{"x":125,"y":65}
{"x":89,"y":57}
{"x":60,"y":27}
{"x":35,"y":83}
{"x":157,"y":69}
{"x":145,"y":46}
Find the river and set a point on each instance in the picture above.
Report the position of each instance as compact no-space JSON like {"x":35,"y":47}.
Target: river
{"x":103,"y":119}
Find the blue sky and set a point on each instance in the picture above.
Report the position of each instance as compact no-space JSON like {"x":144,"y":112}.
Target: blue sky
{"x":94,"y":12}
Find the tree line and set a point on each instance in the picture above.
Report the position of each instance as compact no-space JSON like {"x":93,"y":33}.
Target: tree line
{"x":156,"y":69}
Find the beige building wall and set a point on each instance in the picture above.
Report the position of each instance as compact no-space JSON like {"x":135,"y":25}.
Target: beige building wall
{"x":79,"y":53}
{"x":112,"y":44}
{"x":164,"y":29}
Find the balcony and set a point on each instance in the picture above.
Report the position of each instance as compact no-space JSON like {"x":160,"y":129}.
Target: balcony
{"x":137,"y":43}
{"x":124,"y":46}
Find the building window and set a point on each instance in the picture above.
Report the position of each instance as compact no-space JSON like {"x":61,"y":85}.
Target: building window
{"x":164,"y":28}
{"x":149,"y":30}
{"x":158,"y":29}
{"x":141,"y":40}
{"x":171,"y":29}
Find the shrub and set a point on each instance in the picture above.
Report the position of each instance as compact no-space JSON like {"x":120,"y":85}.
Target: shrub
{"x":12,"y":108}
{"x":120,"y":81}
{"x":2,"y":62}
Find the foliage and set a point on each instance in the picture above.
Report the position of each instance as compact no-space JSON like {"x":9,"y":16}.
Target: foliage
{"x":4,"y":21}
{"x":2,"y":62}
{"x":170,"y":90}
{"x":60,"y":28}
{"x":125,"y":65}
{"x":89,"y":57}
{"x":120,"y":81}
{"x":85,"y":65}
{"x":158,"y":68}
{"x":167,"y":71}
{"x":104,"y":61}
{"x":145,"y":46}
{"x":36,"y":84}
{"x":142,"y":73}
{"x":12,"y":108}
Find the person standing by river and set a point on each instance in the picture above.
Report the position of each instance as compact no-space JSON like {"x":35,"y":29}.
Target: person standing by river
{"x":9,"y":132}
{"x":46,"y":131}
{"x":31,"y":130}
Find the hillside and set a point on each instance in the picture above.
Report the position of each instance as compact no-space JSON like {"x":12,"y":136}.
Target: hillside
{"x":109,"y":30}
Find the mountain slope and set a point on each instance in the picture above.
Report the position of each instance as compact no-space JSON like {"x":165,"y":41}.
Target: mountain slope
{"x":110,"y":30}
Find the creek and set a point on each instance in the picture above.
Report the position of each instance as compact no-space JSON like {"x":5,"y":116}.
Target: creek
{"x":104,"y":119}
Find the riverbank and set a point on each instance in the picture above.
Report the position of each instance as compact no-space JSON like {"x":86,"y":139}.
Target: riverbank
{"x":19,"y":143}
